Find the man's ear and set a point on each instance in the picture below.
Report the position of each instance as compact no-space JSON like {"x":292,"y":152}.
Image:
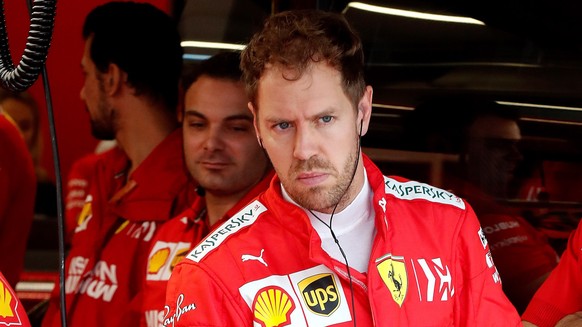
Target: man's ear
{"x":114,"y":79}
{"x":365,"y":111}
{"x":255,"y":122}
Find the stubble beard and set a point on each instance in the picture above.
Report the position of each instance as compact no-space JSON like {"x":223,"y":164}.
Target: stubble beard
{"x":320,"y":198}
{"x":102,"y":126}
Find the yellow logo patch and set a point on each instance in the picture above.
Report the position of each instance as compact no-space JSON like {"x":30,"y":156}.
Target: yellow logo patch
{"x":392,"y":269}
{"x":320,"y":293}
{"x":85,"y":213}
{"x":158,"y":260}
{"x":122,"y":226}
{"x":272,"y":307}
{"x":6,"y":310}
{"x":8,"y":305}
{"x":179,"y":256}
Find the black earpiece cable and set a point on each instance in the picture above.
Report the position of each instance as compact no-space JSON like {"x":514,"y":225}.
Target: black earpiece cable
{"x":335,"y":239}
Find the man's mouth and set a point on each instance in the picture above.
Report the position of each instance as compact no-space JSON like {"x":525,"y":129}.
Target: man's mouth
{"x":213,"y":165}
{"x":312,"y":178}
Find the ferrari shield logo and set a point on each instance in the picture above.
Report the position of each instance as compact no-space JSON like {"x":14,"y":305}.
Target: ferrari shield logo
{"x":393,"y":272}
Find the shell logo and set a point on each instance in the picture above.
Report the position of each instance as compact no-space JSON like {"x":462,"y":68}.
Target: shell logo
{"x":273,"y":307}
{"x":8,"y":306}
{"x":157,"y":260}
{"x":178,"y":257}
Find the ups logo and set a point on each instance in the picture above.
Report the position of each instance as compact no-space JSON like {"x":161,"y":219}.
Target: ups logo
{"x":320,"y":293}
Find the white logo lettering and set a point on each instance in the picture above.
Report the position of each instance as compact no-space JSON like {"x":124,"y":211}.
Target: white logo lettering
{"x":446,"y":289}
{"x":414,"y":190}
{"x":242,"y":219}
{"x":99,"y":283}
{"x":76,"y":268}
{"x":179,"y":311}
{"x":508,"y":242}
{"x":148,"y":228}
{"x":496,"y":277}
{"x":501,"y":226}
{"x":489,"y":259}
{"x":98,"y":288}
{"x":482,"y":237}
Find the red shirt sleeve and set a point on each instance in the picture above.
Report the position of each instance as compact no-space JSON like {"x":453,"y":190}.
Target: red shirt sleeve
{"x":559,"y":295}
{"x":482,"y":298}
{"x":207,"y":304}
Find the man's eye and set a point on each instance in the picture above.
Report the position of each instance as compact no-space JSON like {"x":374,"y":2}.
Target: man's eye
{"x":196,"y":124}
{"x":283,"y":125}
{"x":326,"y":119}
{"x":240,"y":128}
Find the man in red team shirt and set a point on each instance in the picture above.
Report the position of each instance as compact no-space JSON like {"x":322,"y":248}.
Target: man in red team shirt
{"x":487,"y":136}
{"x":222,"y":155}
{"x":17,"y":192}
{"x":522,"y":254}
{"x":332,"y":242}
{"x":558,"y":302}
{"x":132,"y":64}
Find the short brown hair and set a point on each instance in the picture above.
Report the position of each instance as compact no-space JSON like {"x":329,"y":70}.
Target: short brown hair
{"x":296,"y":40}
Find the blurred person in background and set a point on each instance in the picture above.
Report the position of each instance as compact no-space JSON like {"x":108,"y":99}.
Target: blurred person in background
{"x":522,"y":254}
{"x":23,"y":109}
{"x":132,"y":64}
{"x":17,"y":192}
{"x":487,"y":137}
{"x":222,"y":155}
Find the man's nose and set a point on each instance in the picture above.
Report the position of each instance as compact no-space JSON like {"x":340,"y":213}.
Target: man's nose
{"x":305,"y":143}
{"x":214,"y":140}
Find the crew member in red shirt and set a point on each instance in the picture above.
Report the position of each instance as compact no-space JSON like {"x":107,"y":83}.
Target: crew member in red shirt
{"x":222,"y":155}
{"x":558,"y":302}
{"x":522,"y":254}
{"x":487,"y":136}
{"x":132,"y":64}
{"x":17,"y":192}
{"x":332,"y":242}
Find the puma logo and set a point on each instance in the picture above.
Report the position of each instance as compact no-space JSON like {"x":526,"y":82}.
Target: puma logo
{"x":246,"y":257}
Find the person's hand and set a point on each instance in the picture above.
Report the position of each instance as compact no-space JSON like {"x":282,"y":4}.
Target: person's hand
{"x":573,"y":320}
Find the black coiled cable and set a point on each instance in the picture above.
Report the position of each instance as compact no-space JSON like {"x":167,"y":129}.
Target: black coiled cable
{"x":21,"y":77}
